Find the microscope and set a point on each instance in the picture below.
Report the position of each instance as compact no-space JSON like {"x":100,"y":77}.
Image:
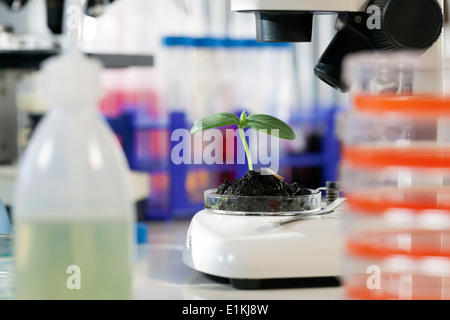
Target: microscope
{"x":361,"y":25}
{"x":30,"y":32}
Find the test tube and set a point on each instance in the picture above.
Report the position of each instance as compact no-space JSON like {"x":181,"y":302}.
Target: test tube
{"x":205,"y":76}
{"x":178,"y":73}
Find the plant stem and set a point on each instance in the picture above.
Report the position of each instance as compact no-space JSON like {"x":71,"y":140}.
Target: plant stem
{"x":247,"y":151}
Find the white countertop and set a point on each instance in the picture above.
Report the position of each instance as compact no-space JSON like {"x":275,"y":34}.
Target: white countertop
{"x":160,"y":273}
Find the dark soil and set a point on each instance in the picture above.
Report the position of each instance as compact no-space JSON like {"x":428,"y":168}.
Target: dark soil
{"x":256,"y":184}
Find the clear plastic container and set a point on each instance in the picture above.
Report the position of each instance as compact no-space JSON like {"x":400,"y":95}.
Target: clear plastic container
{"x":395,"y":173}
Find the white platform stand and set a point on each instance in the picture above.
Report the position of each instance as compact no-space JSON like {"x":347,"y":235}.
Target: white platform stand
{"x":251,"y":249}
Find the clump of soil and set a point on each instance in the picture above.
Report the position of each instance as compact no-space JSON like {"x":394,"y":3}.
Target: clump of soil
{"x":256,"y":184}
{"x":282,"y":197}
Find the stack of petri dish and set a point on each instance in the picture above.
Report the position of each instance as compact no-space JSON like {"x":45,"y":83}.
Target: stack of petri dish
{"x":395,"y":173}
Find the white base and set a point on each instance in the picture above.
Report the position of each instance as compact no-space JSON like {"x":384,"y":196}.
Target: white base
{"x":256,"y":247}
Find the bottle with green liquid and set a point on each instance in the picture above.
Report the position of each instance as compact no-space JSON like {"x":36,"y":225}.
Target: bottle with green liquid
{"x":73,"y":211}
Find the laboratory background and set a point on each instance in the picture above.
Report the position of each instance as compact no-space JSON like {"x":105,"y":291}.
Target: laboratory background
{"x":167,"y":64}
{"x":202,"y":58}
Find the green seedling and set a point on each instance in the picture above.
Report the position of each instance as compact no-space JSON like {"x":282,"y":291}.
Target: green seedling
{"x":261,"y":122}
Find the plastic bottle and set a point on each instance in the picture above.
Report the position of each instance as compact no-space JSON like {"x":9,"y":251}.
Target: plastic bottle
{"x":73,"y":209}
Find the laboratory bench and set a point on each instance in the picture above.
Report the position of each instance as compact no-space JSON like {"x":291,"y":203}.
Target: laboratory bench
{"x":160,"y":273}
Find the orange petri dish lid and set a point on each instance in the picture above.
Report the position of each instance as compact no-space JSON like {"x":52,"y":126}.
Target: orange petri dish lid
{"x":423,"y":244}
{"x":427,"y":287}
{"x":411,"y":156}
{"x":409,"y":105}
{"x":417,"y":202}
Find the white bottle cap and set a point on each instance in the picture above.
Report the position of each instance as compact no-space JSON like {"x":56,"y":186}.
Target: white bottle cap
{"x":70,"y":77}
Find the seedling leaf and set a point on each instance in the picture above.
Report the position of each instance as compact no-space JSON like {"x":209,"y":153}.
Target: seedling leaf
{"x":215,"y":120}
{"x":267,"y":124}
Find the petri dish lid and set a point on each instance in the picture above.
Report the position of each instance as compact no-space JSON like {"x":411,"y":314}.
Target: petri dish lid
{"x":410,"y":76}
{"x":418,"y":106}
{"x":419,"y":201}
{"x":414,"y":155}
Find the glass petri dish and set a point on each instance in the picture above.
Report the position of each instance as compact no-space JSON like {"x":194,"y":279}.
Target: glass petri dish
{"x":262,"y":205}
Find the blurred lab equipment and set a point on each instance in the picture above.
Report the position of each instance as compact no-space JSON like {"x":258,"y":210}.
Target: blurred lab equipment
{"x":361,"y":25}
{"x":395,"y":173}
{"x":30,"y":32}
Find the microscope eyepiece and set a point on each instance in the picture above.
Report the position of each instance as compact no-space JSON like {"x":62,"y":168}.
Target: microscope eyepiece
{"x":279,"y":26}
{"x":349,"y":38}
